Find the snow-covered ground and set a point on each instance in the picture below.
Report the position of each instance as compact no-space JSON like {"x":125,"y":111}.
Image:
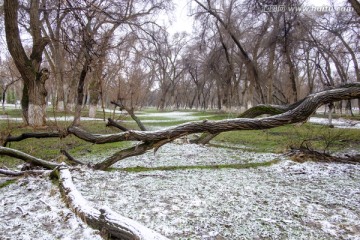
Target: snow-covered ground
{"x":286,"y":200}
{"x":32,"y":208}
{"x":196,"y":155}
{"x":339,"y":123}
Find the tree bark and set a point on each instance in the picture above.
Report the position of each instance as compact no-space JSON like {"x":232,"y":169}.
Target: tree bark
{"x":356,"y":5}
{"x":116,"y":226}
{"x":300,"y":113}
{"x":27,"y":158}
{"x":24,"y":136}
{"x":80,"y":91}
{"x":33,"y":101}
{"x":130,"y":111}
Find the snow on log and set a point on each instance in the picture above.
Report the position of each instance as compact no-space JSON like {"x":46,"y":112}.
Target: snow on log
{"x":106,"y":220}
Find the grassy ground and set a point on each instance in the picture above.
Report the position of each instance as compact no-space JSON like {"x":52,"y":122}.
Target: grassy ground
{"x":49,"y":148}
{"x":273,"y":140}
{"x":279,"y":139}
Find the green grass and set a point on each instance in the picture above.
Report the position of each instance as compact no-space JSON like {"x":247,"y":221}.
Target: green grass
{"x":273,"y":140}
{"x":7,"y":183}
{"x":201,"y":167}
{"x":281,"y":138}
{"x":49,"y":148}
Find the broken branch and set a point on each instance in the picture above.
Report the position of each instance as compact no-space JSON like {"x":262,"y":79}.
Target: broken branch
{"x":27,"y":158}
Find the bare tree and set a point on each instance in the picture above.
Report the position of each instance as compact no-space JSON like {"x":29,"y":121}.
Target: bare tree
{"x":33,"y":101}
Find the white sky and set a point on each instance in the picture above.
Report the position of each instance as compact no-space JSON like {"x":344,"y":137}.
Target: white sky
{"x":183,"y":21}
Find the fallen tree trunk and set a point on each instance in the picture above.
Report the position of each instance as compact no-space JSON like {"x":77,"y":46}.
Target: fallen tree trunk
{"x":114,"y":225}
{"x":253,"y":112}
{"x":299,"y":112}
{"x":28,"y":158}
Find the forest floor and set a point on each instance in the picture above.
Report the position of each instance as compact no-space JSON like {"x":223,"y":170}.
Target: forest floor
{"x":240,"y":187}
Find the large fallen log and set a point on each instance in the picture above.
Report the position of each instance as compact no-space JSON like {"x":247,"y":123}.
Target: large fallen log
{"x":298,"y":112}
{"x":262,"y":109}
{"x":106,"y":220}
{"x":28,"y":158}
{"x":24,"y":136}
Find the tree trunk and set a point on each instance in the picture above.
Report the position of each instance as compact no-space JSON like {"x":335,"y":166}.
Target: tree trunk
{"x":37,"y":100}
{"x":33,"y":102}
{"x":80,"y":92}
{"x":300,"y":112}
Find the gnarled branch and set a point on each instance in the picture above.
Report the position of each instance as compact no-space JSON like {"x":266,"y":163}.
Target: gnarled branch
{"x":253,"y":112}
{"x":298,"y":112}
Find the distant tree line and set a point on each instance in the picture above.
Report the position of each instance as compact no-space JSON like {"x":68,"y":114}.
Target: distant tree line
{"x":78,"y":54}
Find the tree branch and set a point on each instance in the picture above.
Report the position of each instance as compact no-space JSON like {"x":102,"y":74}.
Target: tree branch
{"x":131,"y":113}
{"x":27,"y":158}
{"x":298,"y":114}
{"x":115,"y":124}
{"x":251,"y":113}
{"x":71,"y":158}
{"x":30,"y":135}
{"x":8,"y":172}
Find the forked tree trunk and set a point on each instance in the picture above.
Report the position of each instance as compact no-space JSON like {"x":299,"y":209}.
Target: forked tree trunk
{"x":34,"y":93}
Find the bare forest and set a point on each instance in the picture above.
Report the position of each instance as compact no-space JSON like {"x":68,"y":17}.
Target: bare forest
{"x":243,"y":125}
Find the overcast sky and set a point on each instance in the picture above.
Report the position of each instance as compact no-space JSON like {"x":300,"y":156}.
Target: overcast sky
{"x":183,"y":22}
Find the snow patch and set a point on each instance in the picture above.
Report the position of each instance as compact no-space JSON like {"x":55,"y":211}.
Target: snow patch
{"x":339,"y":123}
